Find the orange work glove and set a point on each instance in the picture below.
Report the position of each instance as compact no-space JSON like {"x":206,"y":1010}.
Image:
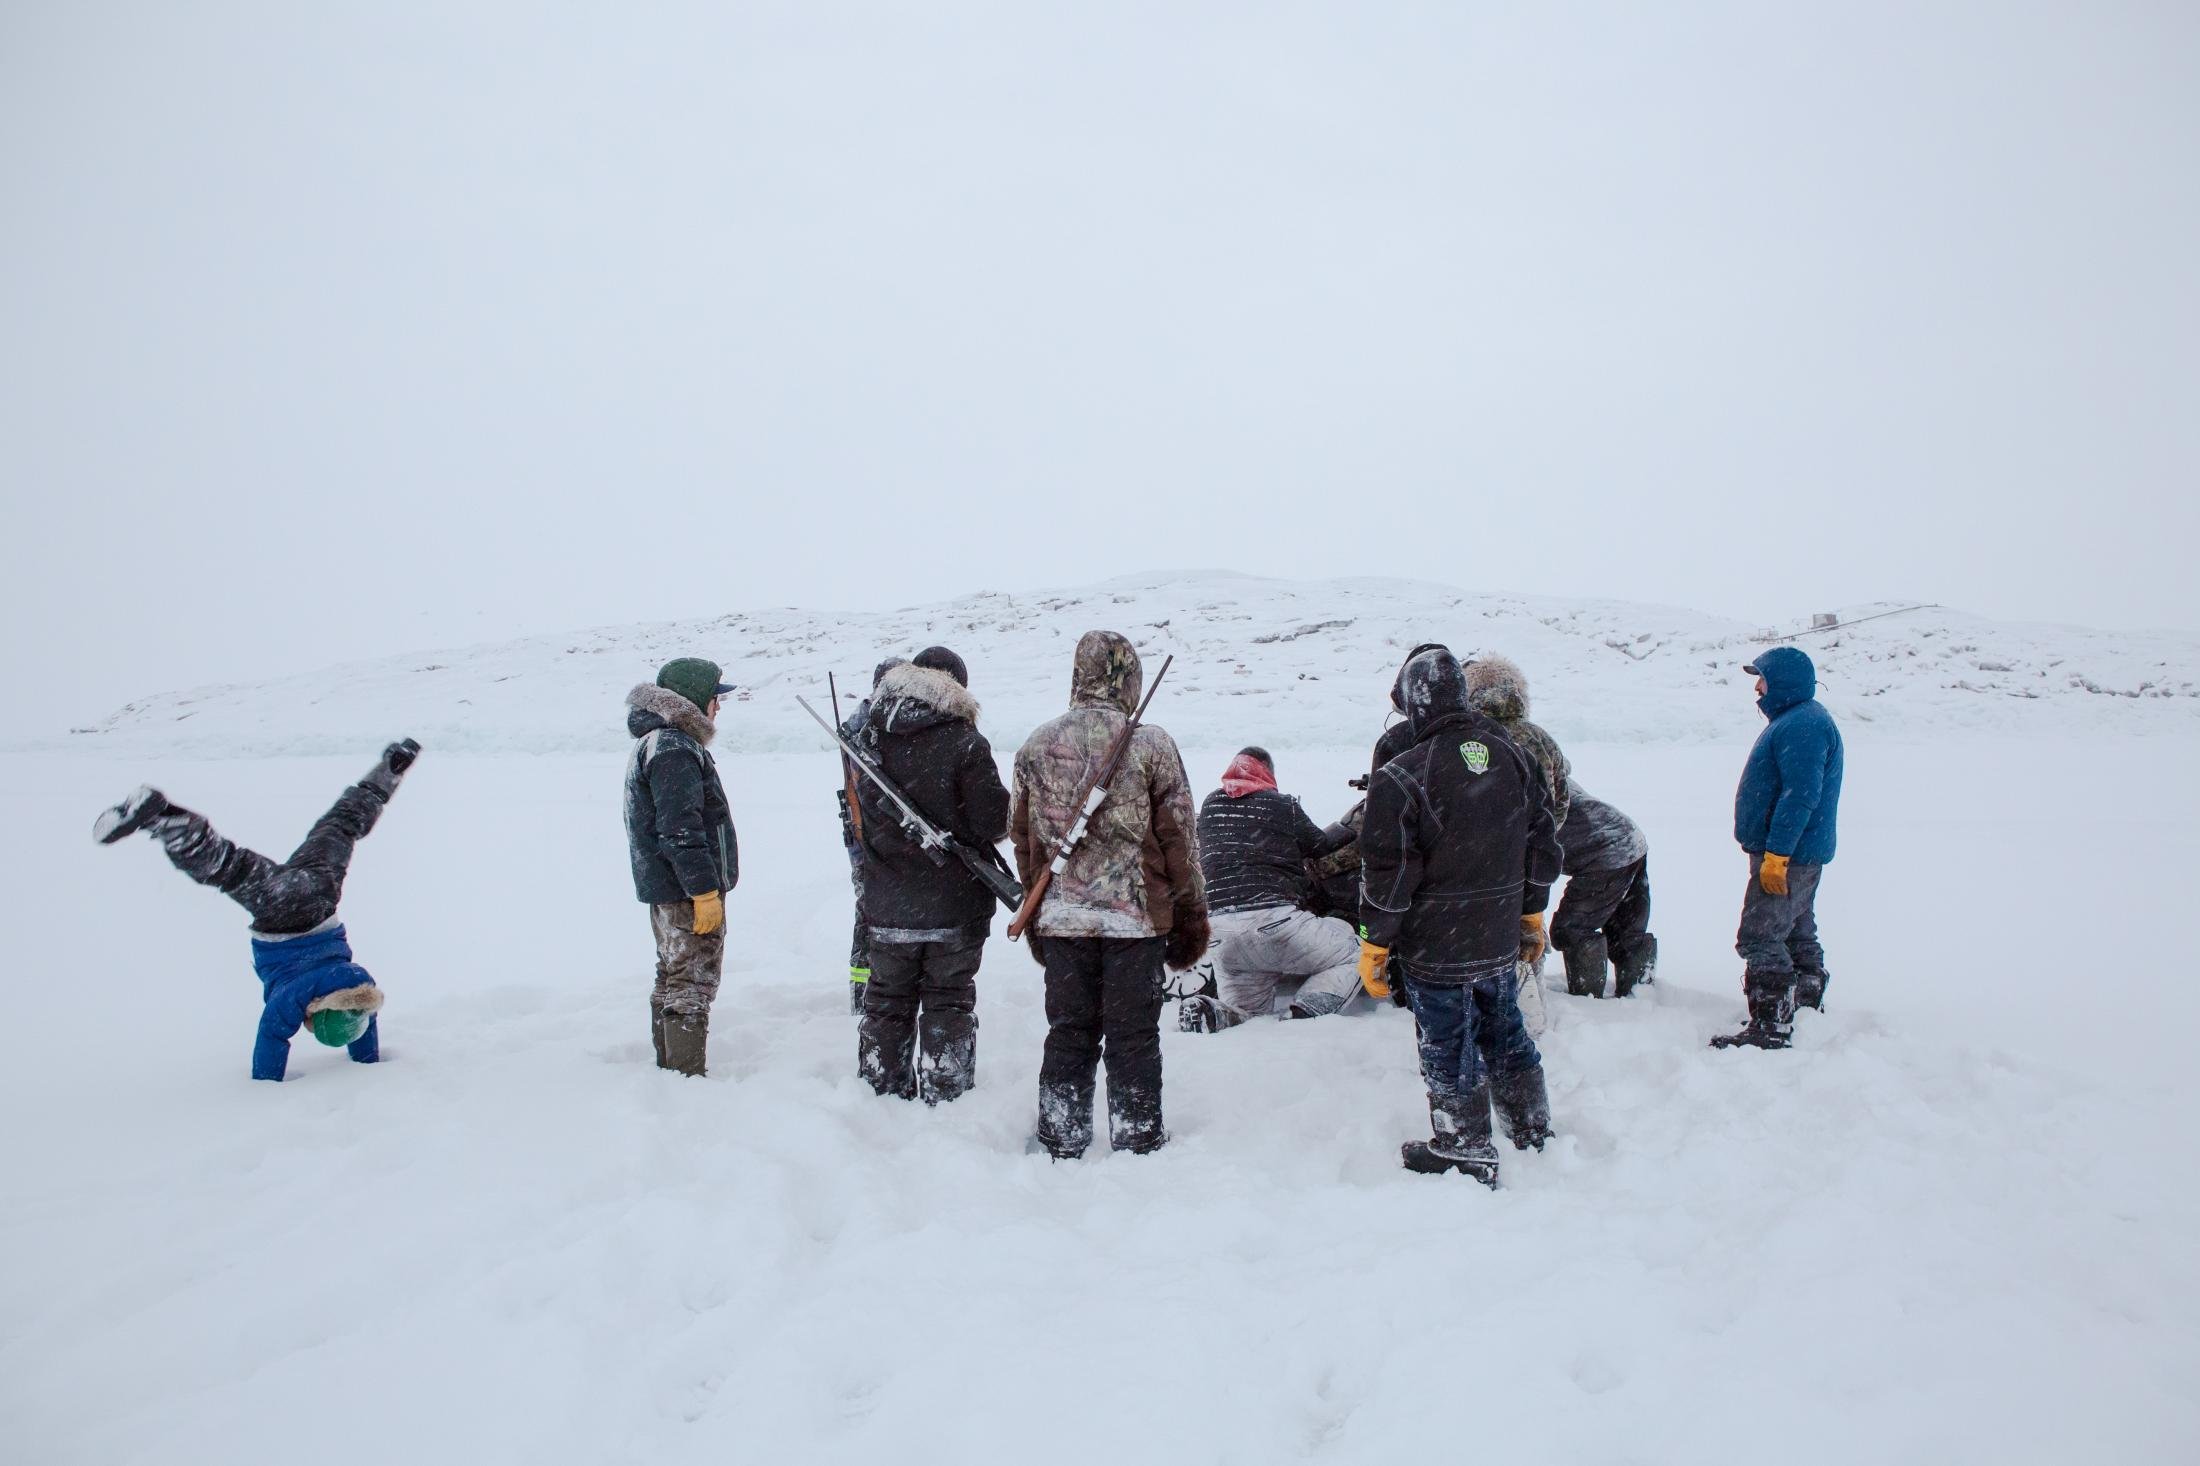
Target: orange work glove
{"x":710,"y":913}
{"x":1773,"y":874}
{"x":1532,"y":940}
{"x":1374,"y":967}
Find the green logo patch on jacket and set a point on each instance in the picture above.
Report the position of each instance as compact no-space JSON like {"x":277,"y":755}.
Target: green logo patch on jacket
{"x":1477,"y":755}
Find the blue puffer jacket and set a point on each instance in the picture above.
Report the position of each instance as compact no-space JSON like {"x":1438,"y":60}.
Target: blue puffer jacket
{"x":1791,"y":786}
{"x":292,"y":974}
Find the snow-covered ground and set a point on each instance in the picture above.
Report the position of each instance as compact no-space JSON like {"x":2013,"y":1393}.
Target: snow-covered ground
{"x":1296,"y":659}
{"x":1954,"y":1224}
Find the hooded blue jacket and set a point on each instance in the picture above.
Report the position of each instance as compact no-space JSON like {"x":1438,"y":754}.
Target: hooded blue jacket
{"x":292,"y":974}
{"x":1791,"y":787}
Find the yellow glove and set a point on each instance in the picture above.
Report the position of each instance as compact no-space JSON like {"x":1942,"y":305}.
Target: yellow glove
{"x":710,"y":913}
{"x":1773,"y":874}
{"x":1532,"y":940}
{"x":1374,"y":964}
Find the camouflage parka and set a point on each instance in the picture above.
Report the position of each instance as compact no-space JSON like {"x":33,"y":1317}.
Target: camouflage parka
{"x":1138,"y":865}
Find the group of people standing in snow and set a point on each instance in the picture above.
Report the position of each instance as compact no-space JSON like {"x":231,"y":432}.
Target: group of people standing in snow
{"x":1431,"y":894}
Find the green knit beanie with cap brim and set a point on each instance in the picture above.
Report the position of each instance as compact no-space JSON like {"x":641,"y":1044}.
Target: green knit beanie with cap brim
{"x":694,"y":678}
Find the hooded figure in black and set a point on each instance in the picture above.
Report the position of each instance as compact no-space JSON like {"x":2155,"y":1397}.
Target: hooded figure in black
{"x":1459,"y":850}
{"x":927,"y":919}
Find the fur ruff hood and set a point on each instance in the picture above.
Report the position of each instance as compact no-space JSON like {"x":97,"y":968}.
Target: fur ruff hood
{"x":365,"y":998}
{"x":1497,"y":688}
{"x":674,"y":709}
{"x":909,"y":683}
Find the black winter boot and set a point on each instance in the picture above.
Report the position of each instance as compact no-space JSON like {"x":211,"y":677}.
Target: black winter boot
{"x":947,"y":1040}
{"x":1524,"y":1105}
{"x":1065,"y":1120}
{"x":132,"y":815}
{"x":1810,"y":989}
{"x":1424,"y":1158}
{"x":687,"y":1038}
{"x":384,"y":777}
{"x":1771,"y":1015}
{"x":1460,"y":1140}
{"x":1585,"y":964}
{"x":1635,"y":967}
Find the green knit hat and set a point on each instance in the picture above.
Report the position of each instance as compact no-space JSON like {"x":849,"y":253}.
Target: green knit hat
{"x":337,"y":1027}
{"x":693,"y":678}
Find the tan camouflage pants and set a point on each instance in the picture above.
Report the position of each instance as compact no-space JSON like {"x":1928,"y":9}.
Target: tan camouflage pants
{"x":687,"y":965}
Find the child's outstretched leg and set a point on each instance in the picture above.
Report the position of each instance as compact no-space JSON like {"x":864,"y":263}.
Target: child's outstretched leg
{"x":311,"y":883}
{"x":194,"y":847}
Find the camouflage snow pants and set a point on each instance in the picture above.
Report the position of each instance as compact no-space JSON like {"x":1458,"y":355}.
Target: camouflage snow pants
{"x":688,"y":965}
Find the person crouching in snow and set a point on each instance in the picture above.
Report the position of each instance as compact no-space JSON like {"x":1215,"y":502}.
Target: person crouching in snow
{"x":299,"y":949}
{"x":680,"y":841}
{"x":1458,"y":851}
{"x":1254,"y":845}
{"x":1604,"y":920}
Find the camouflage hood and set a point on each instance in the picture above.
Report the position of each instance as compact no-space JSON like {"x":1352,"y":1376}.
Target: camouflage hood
{"x":1497,"y":688}
{"x":1107,"y":672}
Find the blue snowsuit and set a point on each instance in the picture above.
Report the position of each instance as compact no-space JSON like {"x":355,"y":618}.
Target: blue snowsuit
{"x":1791,"y":787}
{"x":293,"y":973}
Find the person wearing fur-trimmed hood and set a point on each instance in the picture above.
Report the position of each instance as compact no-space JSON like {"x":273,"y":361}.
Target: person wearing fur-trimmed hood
{"x":927,"y":919}
{"x":856,"y":729}
{"x":300,"y":952}
{"x":681,"y":842}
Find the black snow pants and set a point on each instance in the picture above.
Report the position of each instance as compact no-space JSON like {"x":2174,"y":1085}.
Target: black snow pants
{"x":1613,"y":905}
{"x":1104,"y":997}
{"x":1778,"y":942}
{"x":919,"y":1035}
{"x":285,"y":899}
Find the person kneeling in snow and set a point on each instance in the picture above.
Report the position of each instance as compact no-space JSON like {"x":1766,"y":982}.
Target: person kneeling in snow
{"x":1254,"y":845}
{"x":1459,"y":851}
{"x":299,"y":948}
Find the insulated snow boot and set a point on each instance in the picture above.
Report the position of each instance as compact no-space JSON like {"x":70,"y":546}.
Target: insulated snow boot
{"x":947,"y":1063}
{"x":132,"y":815}
{"x":1810,"y":989}
{"x":1771,"y":1015}
{"x":384,"y":777}
{"x":1637,"y":966}
{"x":687,"y":1038}
{"x":1585,"y":963}
{"x":1206,"y":1013}
{"x":1425,"y":1158}
{"x":1523,"y":1107}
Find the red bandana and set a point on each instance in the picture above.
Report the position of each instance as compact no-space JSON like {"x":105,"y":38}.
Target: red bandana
{"x":1245,"y":775}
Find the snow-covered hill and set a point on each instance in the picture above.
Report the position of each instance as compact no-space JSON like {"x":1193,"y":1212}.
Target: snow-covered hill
{"x":1289,"y":664}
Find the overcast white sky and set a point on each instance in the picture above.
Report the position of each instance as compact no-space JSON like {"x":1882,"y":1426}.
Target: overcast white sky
{"x":337,"y":329}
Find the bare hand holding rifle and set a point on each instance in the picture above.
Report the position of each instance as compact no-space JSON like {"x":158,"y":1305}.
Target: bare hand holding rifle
{"x":1088,"y":804}
{"x":935,"y":842}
